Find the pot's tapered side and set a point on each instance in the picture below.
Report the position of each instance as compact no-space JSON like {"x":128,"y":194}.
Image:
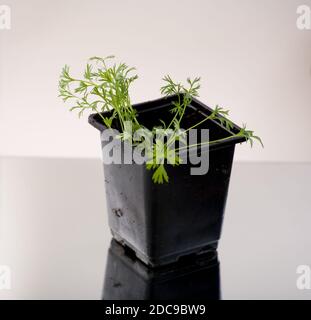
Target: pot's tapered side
{"x":128,"y":221}
{"x":187,"y":213}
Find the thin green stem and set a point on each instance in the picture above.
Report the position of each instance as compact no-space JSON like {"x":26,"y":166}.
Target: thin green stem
{"x":175,"y":116}
{"x":208,"y":142}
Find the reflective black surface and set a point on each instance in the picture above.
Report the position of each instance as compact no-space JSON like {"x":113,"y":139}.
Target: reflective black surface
{"x":128,"y":278}
{"x":55,"y":238}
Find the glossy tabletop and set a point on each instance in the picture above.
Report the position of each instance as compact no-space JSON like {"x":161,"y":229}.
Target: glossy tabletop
{"x":55,"y":239}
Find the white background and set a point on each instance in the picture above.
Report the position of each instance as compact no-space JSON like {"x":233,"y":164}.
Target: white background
{"x":250,"y":55}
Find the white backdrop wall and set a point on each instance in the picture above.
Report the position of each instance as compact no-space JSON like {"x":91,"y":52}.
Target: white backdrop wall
{"x":251,"y":56}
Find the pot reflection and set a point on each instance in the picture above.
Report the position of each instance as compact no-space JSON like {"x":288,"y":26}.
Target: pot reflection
{"x":127,"y":278}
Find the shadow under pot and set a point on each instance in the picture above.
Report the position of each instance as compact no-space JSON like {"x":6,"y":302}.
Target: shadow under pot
{"x":127,"y":278}
{"x":165,"y":222}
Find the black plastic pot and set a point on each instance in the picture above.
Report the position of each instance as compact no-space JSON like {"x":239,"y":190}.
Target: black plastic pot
{"x":163,"y":223}
{"x":127,"y":278}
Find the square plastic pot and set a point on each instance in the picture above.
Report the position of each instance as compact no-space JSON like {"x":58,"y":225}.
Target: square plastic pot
{"x":163,"y":223}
